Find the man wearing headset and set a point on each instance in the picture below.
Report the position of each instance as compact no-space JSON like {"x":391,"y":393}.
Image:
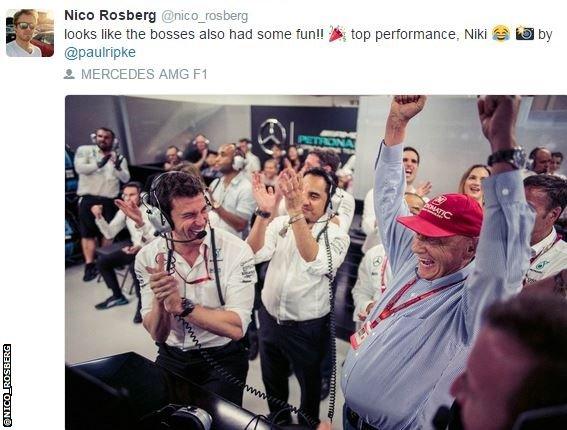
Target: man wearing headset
{"x":252,"y":161}
{"x":141,"y":233}
{"x":231,"y":195}
{"x":197,"y":286}
{"x":101,"y":170}
{"x":304,"y":247}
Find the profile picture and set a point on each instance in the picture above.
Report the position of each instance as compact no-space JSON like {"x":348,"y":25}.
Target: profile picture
{"x":29,"y":33}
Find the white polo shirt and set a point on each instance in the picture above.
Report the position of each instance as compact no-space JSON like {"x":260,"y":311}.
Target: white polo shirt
{"x":295,"y":289}
{"x":95,"y":181}
{"x":140,"y":236}
{"x":237,"y":277}
{"x":549,"y":256}
{"x":236,"y":198}
{"x":374,"y":273}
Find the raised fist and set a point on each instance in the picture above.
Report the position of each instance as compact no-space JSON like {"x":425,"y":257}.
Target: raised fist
{"x":498,"y":118}
{"x":97,"y":211}
{"x":402,"y":109}
{"x":405,"y":108}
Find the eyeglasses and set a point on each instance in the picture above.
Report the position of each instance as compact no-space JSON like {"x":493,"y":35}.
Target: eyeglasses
{"x":25,"y":26}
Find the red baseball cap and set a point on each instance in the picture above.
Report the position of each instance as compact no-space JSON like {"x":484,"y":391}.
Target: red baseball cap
{"x":446,"y":215}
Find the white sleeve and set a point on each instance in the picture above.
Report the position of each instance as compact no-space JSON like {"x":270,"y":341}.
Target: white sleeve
{"x":339,"y":242}
{"x":345,"y":212}
{"x":270,"y":240}
{"x":123,"y":174}
{"x":363,"y":291}
{"x":109,"y":231}
{"x":85,"y":162}
{"x":239,"y":292}
{"x":146,"y":294}
{"x":368,"y":223}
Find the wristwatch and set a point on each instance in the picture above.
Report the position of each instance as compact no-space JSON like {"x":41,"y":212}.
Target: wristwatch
{"x":263,"y":214}
{"x":216,"y":205}
{"x":516,"y":157}
{"x":188,"y":307}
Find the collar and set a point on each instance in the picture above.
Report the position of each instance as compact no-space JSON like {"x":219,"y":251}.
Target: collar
{"x":206,"y":244}
{"x":240,"y":175}
{"x":545,"y":242}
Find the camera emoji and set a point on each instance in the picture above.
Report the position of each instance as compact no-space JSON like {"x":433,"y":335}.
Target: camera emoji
{"x":524,"y":33}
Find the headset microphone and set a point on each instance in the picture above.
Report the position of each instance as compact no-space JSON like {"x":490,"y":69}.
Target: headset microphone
{"x":198,"y":236}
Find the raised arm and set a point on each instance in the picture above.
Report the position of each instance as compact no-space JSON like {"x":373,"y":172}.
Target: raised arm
{"x":390,"y":184}
{"x":503,"y":252}
{"x":266,"y":202}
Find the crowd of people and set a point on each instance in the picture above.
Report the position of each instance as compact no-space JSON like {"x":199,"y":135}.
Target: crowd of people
{"x":453,"y":292}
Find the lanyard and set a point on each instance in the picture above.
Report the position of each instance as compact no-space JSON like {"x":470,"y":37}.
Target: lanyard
{"x":391,"y":307}
{"x":202,"y":279}
{"x":544,"y":250}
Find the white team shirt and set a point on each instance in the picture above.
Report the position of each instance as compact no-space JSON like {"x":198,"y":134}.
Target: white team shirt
{"x":237,"y":277}
{"x":103,"y":182}
{"x":140,"y":236}
{"x":236,"y":198}
{"x":295,"y":289}
{"x":374,"y":273}
{"x":550,"y":257}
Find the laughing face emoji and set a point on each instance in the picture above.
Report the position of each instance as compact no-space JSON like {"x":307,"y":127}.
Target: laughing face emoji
{"x":500,"y":33}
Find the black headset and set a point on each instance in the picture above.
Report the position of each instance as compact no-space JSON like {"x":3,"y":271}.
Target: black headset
{"x":331,"y":184}
{"x":159,"y":219}
{"x":163,"y":224}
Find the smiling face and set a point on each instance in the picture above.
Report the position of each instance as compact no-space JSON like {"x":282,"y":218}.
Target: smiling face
{"x":441,"y":256}
{"x":411,"y":164}
{"x":314,"y":197}
{"x":545,"y":218}
{"x":190,"y":216}
{"x":473,"y":185}
{"x":270,"y":169}
{"x":484,"y":404}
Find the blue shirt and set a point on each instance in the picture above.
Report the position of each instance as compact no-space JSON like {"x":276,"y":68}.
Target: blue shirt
{"x":402,"y":372}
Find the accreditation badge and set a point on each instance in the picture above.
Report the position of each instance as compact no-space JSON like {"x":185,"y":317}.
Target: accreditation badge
{"x":359,"y":336}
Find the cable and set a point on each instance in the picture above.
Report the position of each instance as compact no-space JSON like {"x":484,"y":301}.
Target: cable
{"x":332,"y":329}
{"x":254,"y":391}
{"x":257,"y":418}
{"x":235,"y":381}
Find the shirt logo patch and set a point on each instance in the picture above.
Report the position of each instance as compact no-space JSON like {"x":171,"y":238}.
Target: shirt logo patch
{"x":541,"y":265}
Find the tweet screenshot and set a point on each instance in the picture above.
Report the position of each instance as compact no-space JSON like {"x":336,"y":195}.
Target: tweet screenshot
{"x":284,"y":215}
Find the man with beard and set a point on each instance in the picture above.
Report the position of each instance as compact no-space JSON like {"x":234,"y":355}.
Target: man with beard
{"x":100,"y":169}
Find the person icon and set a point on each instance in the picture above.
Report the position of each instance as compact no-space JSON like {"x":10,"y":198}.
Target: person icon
{"x":68,"y":74}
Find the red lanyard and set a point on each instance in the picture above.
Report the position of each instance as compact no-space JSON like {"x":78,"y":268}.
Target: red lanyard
{"x":544,"y":250}
{"x":391,"y":309}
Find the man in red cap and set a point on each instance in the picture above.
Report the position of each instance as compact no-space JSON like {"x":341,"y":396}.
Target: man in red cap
{"x":415,"y":340}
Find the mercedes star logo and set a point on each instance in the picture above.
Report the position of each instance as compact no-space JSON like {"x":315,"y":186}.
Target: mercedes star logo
{"x":271,"y":133}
